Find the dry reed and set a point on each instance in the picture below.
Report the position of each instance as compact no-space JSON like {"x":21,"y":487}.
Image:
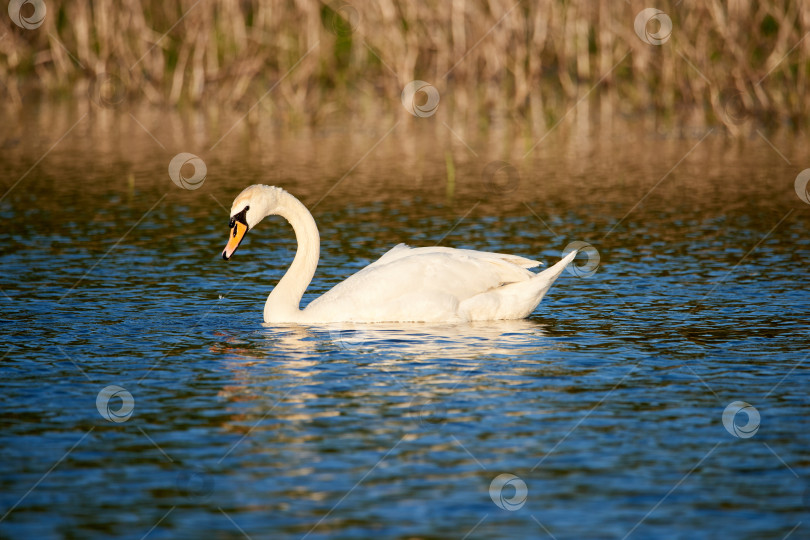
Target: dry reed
{"x":739,"y":62}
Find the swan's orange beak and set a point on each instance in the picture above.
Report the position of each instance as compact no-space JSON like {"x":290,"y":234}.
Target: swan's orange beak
{"x":237,"y":234}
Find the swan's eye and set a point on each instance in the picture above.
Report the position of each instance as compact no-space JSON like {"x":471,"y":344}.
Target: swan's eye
{"x":241,"y":217}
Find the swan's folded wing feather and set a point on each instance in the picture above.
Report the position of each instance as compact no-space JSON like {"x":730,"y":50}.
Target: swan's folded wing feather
{"x":440,"y":276}
{"x":403,"y":250}
{"x":396,"y":252}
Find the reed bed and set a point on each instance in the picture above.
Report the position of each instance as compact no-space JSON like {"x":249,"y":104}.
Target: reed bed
{"x":740,"y":63}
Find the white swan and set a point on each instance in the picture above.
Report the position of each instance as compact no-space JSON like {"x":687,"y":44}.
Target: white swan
{"x":426,"y":284}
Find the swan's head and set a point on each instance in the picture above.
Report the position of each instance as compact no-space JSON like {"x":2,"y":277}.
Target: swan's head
{"x":248,"y":209}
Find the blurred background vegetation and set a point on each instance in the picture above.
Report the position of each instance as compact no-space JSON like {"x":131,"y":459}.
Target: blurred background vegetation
{"x":737,"y":63}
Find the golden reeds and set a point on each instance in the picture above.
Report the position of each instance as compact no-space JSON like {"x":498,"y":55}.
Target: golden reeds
{"x":736,"y":62}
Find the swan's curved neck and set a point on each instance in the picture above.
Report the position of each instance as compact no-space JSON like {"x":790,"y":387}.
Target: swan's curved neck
{"x":283,"y":304}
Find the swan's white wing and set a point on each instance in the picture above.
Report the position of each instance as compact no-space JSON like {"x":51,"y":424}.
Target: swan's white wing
{"x":418,"y":284}
{"x":403,"y":250}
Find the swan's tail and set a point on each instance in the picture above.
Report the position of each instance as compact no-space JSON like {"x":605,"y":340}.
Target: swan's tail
{"x":547,"y":277}
{"x":516,"y":300}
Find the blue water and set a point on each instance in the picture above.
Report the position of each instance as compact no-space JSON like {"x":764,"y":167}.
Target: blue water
{"x":606,"y":404}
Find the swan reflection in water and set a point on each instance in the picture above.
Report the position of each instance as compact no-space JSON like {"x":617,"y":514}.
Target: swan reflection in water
{"x":414,"y":360}
{"x":415,"y":341}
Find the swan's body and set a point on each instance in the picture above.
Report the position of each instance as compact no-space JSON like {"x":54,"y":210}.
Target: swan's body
{"x":430,"y":284}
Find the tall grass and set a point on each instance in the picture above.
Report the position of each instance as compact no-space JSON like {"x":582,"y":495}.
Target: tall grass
{"x":738,"y":62}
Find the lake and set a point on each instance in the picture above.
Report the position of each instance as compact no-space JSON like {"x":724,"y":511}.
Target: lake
{"x":659,"y":390}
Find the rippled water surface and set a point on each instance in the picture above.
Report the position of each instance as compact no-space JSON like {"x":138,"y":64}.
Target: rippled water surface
{"x":606,"y":404}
